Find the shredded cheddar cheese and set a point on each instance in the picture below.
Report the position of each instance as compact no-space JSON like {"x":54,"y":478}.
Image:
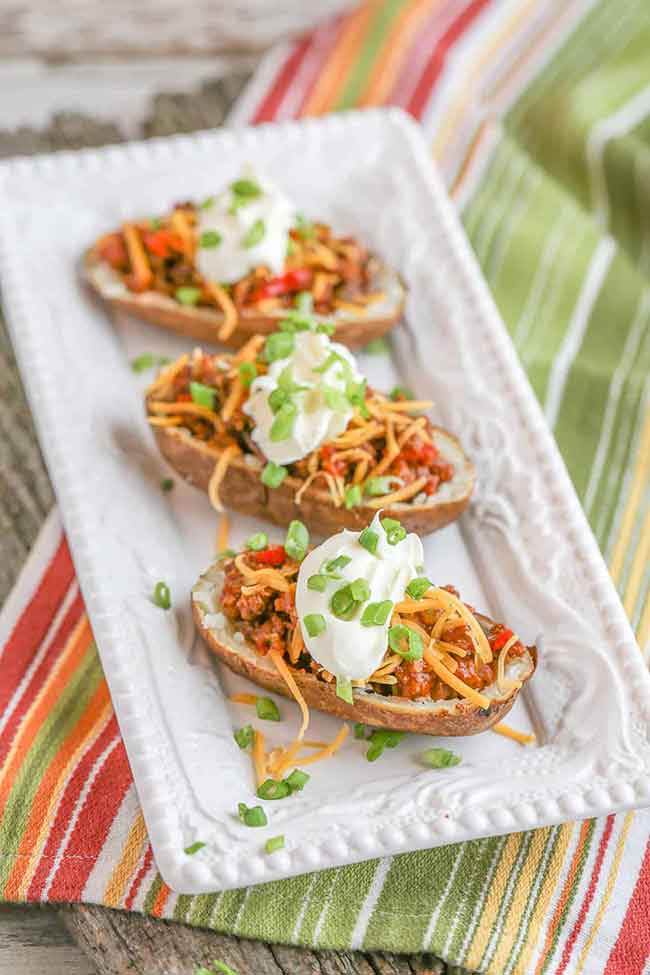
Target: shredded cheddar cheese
{"x":403,"y":494}
{"x":227,"y":306}
{"x":508,"y":732}
{"x":446,"y":675}
{"x":219,"y":473}
{"x":259,"y":757}
{"x":223,"y":532}
{"x":243,"y":698}
{"x":141,"y":272}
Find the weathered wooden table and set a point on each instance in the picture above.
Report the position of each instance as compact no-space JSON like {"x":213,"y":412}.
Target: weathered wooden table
{"x":38,"y":939}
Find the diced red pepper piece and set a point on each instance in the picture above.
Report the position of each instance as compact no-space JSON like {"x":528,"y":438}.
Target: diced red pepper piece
{"x":275,"y":555}
{"x":113,"y":250}
{"x":296,"y":280}
{"x":162,"y":243}
{"x":500,"y":639}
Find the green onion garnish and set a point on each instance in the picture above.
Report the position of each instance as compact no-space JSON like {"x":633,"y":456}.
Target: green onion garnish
{"x":394,"y":531}
{"x":297,"y":780}
{"x":360,"y":590}
{"x":332,"y":565}
{"x":333,"y":359}
{"x":286,"y":383}
{"x":273,"y":475}
{"x":279,"y":345}
{"x":343,"y":604}
{"x":166,"y":484}
{"x":155,"y":223}
{"x":352,"y":496}
{"x":376,"y":614}
{"x":356,"y":394}
{"x":272,"y":789}
{"x":277,"y":398}
{"x":162,"y":596}
{"x":247,"y":373}
{"x":244,"y":736}
{"x":226,"y":553}
{"x":202,"y":395}
{"x":376,"y":486}
{"x":304,"y":302}
{"x":148,"y":361}
{"x":252,"y":815}
{"x":400,"y":392}
{"x":194,"y":848}
{"x":326,"y":328}
{"x":406,"y":642}
{"x":440,"y":758}
{"x":297,"y":541}
{"x":417,"y":587}
{"x":317,"y":583}
{"x":246,"y":188}
{"x":377,"y":347}
{"x":210,"y":238}
{"x":207,"y":203}
{"x":314,"y":624}
{"x":267,"y":709}
{"x":254,"y":234}
{"x":274,"y":844}
{"x":360,"y":731}
{"x":304,"y":228}
{"x":335,"y":399}
{"x":380,"y":739}
{"x":282,"y":425}
{"x":187,"y":295}
{"x":344,"y":689}
{"x":257,"y":542}
{"x":222,"y":968}
{"x":369,"y":540}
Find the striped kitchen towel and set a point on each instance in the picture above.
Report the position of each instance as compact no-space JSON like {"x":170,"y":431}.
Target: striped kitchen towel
{"x":538,"y":115}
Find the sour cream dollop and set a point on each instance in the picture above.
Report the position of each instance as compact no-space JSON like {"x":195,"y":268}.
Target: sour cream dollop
{"x":347,"y":648}
{"x":320,"y":414}
{"x":242,"y":230}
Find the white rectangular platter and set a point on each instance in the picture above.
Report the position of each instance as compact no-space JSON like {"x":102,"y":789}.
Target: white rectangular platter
{"x":524,"y":551}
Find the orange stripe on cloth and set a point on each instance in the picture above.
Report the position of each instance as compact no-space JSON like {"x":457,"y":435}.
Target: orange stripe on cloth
{"x":51,"y":787}
{"x":123,"y":870}
{"x":396,"y":47}
{"x":53,"y":687}
{"x":161,"y":900}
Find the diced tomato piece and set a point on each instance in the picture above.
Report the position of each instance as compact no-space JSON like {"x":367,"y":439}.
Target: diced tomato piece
{"x":332,"y":466}
{"x":432,"y":485}
{"x":184,"y":398}
{"x":296,"y":280}
{"x":162,"y":243}
{"x":275,"y":555}
{"x":500,"y":639}
{"x":419,"y":452}
{"x":113,"y":250}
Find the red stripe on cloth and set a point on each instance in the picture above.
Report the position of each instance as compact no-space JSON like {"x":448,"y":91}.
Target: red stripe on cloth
{"x":34,"y":621}
{"x":436,"y":62}
{"x":40,"y":675}
{"x":66,"y":807}
{"x":269,"y":105}
{"x":92,"y":827}
{"x":589,"y":896}
{"x":632,"y":949}
{"x":139,"y":877}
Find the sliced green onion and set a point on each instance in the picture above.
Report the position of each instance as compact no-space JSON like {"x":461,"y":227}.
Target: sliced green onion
{"x":336,"y":400}
{"x":254,"y":234}
{"x":162,"y":596}
{"x":274,"y":844}
{"x":210,"y":238}
{"x":202,"y":395}
{"x":147,"y":361}
{"x":222,"y":968}
{"x":247,"y":373}
{"x":376,"y":486}
{"x":369,"y":540}
{"x":343,"y":604}
{"x":155,"y":223}
{"x":376,"y":614}
{"x":166,"y":484}
{"x":273,"y":475}
{"x":297,"y":541}
{"x":314,"y":624}
{"x":282,"y":425}
{"x":400,"y":392}
{"x":267,"y":709}
{"x":252,"y":815}
{"x":304,"y":228}
{"x":352,"y":496}
{"x":356,"y":394}
{"x":304,"y":302}
{"x":377,"y":347}
{"x":333,"y":359}
{"x":360,"y":731}
{"x":332,"y":565}
{"x":317,"y":583}
{"x":344,"y":689}
{"x":257,"y":542}
{"x":207,"y":203}
{"x":226,"y":553}
{"x":187,"y":295}
{"x":277,"y":398}
{"x":395,"y":532}
{"x":380,"y":739}
{"x":279,"y":345}
{"x":286,"y":383}
{"x":326,"y":328}
{"x":440,"y":758}
{"x":272,"y":789}
{"x":406,"y":642}
{"x":247,"y":188}
{"x":194,"y":848}
{"x":360,"y":590}
{"x":297,"y":780}
{"x":244,"y":736}
{"x":418,"y":587}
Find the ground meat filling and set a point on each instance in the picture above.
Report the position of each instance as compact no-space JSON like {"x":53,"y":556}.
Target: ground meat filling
{"x":267,"y":619}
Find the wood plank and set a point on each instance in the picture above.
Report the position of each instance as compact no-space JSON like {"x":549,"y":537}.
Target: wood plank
{"x":33,"y":939}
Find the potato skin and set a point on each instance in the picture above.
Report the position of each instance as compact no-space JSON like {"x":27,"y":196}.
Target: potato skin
{"x":202,"y":324}
{"x":242,"y":490}
{"x":459,"y":720}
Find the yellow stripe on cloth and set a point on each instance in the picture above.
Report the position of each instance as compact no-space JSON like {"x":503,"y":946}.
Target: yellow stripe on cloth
{"x":119,"y":879}
{"x":639,"y":481}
